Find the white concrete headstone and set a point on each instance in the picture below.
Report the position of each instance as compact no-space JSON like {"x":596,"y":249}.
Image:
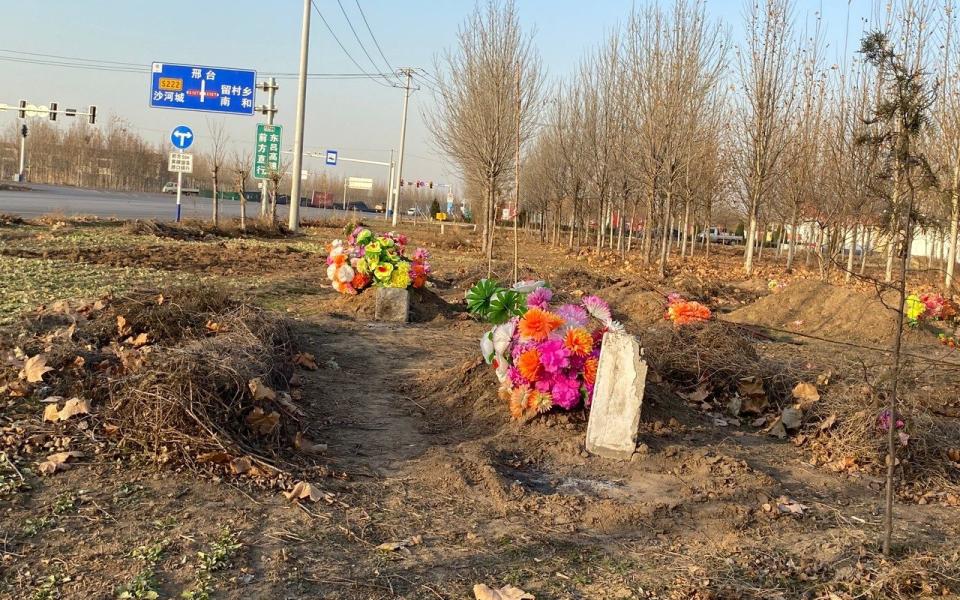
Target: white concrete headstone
{"x":617,"y":398}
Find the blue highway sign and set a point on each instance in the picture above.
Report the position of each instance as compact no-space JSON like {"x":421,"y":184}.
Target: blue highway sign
{"x":332,"y":158}
{"x":181,"y":137}
{"x":210,"y":89}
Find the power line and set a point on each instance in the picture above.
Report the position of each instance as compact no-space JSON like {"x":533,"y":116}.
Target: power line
{"x":72,"y":58}
{"x":357,"y":36}
{"x":373,"y":37}
{"x":140,"y":69}
{"x":342,"y":47}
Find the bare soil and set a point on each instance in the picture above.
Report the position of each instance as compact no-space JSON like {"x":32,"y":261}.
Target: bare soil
{"x":420,"y":451}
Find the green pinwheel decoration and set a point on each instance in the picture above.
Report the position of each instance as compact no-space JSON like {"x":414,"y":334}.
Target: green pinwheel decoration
{"x":506,"y":304}
{"x":480,"y":295}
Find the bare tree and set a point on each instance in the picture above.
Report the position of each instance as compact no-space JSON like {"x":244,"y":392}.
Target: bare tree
{"x":767,"y":68}
{"x":242,"y":164}
{"x":947,"y":115}
{"x":474,"y":122}
{"x":216,"y":158}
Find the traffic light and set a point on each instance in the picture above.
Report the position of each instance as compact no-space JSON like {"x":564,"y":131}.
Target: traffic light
{"x":24,"y":131}
{"x":23,"y":109}
{"x":53,"y":111}
{"x":92,"y":115}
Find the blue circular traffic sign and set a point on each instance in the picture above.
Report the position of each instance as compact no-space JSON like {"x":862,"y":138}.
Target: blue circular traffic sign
{"x":182,"y":137}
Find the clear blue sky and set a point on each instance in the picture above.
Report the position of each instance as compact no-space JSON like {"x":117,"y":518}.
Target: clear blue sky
{"x":357,"y":117}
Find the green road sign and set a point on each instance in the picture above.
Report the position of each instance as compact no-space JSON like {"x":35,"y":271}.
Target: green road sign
{"x":267,"y":152}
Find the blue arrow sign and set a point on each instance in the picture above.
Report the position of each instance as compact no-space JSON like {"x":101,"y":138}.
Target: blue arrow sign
{"x":332,"y":158}
{"x":209,"y":89}
{"x":181,"y":137}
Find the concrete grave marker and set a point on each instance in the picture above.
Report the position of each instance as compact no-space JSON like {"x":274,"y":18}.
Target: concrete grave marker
{"x":617,"y":398}
{"x":393,"y":305}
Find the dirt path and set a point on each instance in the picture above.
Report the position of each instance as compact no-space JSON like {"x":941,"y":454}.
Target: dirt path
{"x":367,"y":423}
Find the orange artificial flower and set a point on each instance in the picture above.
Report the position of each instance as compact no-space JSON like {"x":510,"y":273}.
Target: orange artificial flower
{"x":528,"y":363}
{"x":359,"y":281}
{"x":537,"y":324}
{"x":539,"y":402}
{"x":517,"y":405}
{"x":686,"y":312}
{"x":340,"y":259}
{"x":578,"y":341}
{"x":590,"y":371}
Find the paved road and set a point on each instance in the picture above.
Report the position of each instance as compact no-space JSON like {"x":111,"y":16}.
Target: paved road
{"x":46,"y":199}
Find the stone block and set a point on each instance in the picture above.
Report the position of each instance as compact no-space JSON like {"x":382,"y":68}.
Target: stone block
{"x":392,"y":305}
{"x":617,"y":398}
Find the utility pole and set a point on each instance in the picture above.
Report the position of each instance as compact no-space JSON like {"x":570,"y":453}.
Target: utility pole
{"x":516,"y":189}
{"x":294,"y":223}
{"x":386,"y":207}
{"x":270,"y":109}
{"x":403,"y":137}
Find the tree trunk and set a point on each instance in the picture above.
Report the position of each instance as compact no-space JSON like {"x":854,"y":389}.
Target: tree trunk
{"x":243,"y":204}
{"x":954,"y":226}
{"x":751,"y":234}
{"x":216,"y":200}
{"x":794,"y":224}
{"x":853,"y":251}
{"x":866,"y":249}
{"x":686,"y":223}
{"x":665,"y":237}
{"x":647,"y":231}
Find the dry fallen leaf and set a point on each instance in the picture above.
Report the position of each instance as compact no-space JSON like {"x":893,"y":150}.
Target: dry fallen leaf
{"x":214,"y":327}
{"x":303,"y":490}
{"x":73,"y":406}
{"x":35,"y":368}
{"x":239,"y":466}
{"x":307,"y":446}
{"x":698,"y":395}
{"x":141,"y":340}
{"x":160,"y":300}
{"x":507,"y":592}
{"x":285,"y":400}
{"x":828,"y":422}
{"x":261,"y":422}
{"x":123,"y":328}
{"x":51,"y":413}
{"x":401,"y":545}
{"x":306,"y":360}
{"x":58,"y":462}
{"x":260,"y":391}
{"x":954,"y":454}
{"x":806,"y":395}
{"x":217,"y":458}
{"x":790,"y":507}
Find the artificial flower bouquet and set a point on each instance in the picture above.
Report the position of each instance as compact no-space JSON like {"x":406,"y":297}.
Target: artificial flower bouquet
{"x":365,"y":259}
{"x":685,"y":312}
{"x":547,"y":357}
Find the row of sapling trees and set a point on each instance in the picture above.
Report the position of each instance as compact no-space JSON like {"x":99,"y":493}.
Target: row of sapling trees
{"x":660,"y":126}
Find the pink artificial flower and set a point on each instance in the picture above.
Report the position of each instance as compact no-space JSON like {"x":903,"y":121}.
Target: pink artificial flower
{"x":540,"y":298}
{"x":673,"y":297}
{"x":565,"y":391}
{"x":575,"y":316}
{"x":554,"y":355}
{"x":515,"y":377}
{"x":597,"y":308}
{"x":421,"y":255}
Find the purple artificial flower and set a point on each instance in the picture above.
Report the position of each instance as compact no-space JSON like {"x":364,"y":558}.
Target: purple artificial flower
{"x":673,"y":297}
{"x":565,"y":391}
{"x":540,"y":298}
{"x":575,"y":316}
{"x":883,"y":421}
{"x":554,"y":356}
{"x":421,"y":255}
{"x":597,"y":308}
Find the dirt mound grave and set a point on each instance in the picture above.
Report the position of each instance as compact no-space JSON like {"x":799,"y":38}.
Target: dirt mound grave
{"x":824,"y":310}
{"x":425,"y":306}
